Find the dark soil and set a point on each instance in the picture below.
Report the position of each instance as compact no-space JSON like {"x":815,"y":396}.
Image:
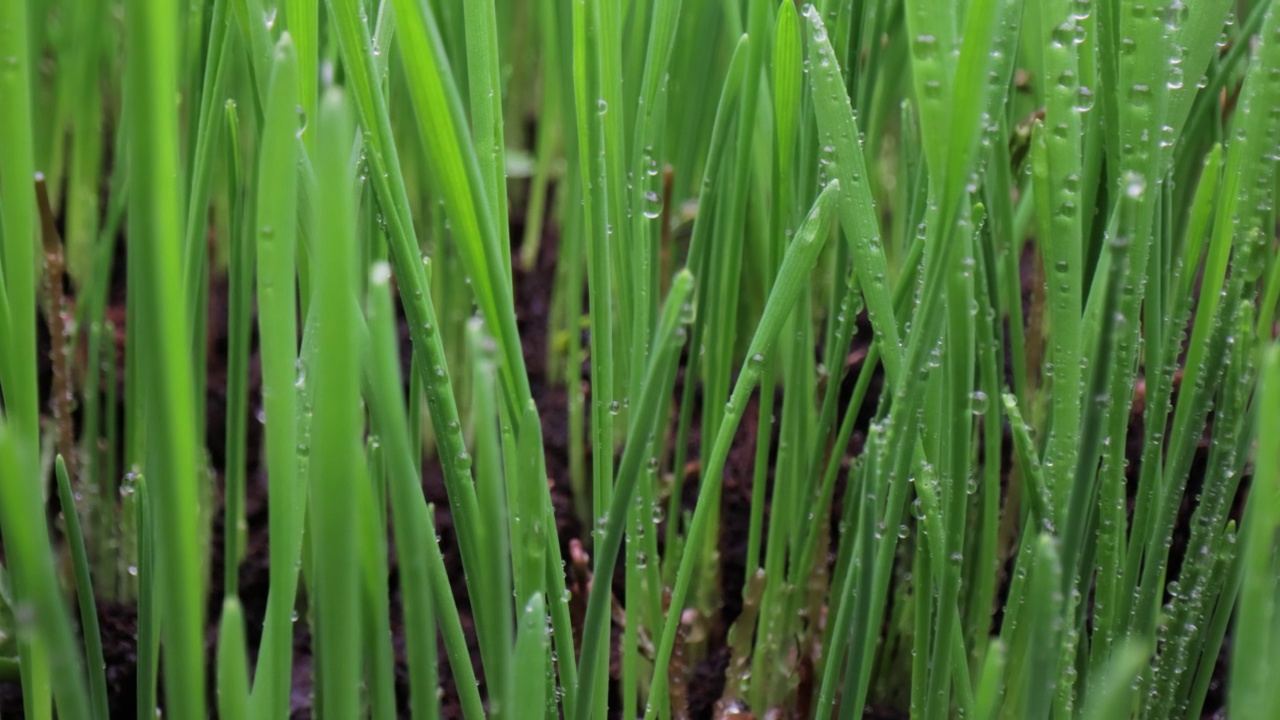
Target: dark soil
{"x":533,"y":306}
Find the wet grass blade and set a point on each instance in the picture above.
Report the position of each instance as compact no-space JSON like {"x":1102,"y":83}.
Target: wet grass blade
{"x":338,"y":422}
{"x":275,"y":237}
{"x":1257,"y":628}
{"x":154,"y":229}
{"x":796,"y":267}
{"x":669,"y":337}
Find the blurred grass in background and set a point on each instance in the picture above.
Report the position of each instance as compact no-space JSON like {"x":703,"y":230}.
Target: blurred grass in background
{"x":973,"y":303}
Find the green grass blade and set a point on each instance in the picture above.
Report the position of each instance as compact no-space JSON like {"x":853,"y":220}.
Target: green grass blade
{"x":431,"y":92}
{"x":1114,"y":698}
{"x":154,"y":232}
{"x":486,"y":114}
{"x":233,"y":662}
{"x":239,"y":322}
{"x":670,"y":336}
{"x":796,"y":267}
{"x":31,"y":563}
{"x":337,"y":421}
{"x":1251,"y":693}
{"x":531,"y":654}
{"x":84,"y":594}
{"x":408,"y":506}
{"x":275,"y":237}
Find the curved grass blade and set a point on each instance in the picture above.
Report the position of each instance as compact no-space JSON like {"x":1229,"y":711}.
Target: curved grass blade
{"x":795,"y":270}
{"x":275,"y":233}
{"x":84,"y":594}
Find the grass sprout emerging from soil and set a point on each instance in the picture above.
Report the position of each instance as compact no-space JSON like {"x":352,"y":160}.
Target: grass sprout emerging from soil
{"x":639,"y":358}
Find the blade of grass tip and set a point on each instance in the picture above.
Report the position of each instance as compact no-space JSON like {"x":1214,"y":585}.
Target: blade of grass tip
{"x":530,"y":478}
{"x":1113,"y":698}
{"x":275,"y":232}
{"x":233,"y":662}
{"x":84,"y":594}
{"x":408,"y":506}
{"x":31,"y":563}
{"x":1040,"y":500}
{"x":370,"y":502}
{"x":1045,"y":594}
{"x":154,"y":226}
{"x":239,"y":325}
{"x":990,"y":686}
{"x":1250,"y":693}
{"x":794,"y":273}
{"x":669,"y":338}
{"x":531,"y":656}
{"x":858,"y":216}
{"x":338,"y":423}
